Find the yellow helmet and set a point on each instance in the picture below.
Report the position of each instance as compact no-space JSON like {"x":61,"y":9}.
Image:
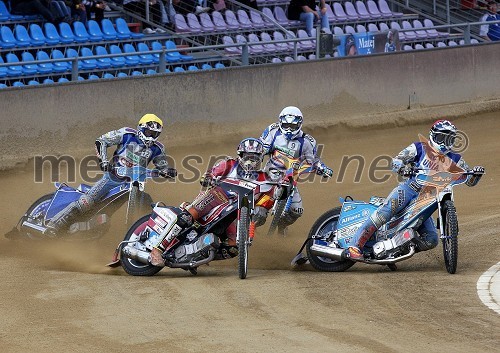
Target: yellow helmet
{"x":149,"y":129}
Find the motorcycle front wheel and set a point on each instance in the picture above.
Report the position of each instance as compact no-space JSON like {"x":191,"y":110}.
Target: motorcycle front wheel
{"x":243,"y":242}
{"x":36,"y":213}
{"x":325,"y":224}
{"x":131,"y":266}
{"x":278,"y":212}
{"x":450,"y":240}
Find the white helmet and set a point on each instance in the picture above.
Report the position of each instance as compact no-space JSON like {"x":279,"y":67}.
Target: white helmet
{"x":149,"y":129}
{"x":290,"y":122}
{"x":250,"y":154}
{"x":442,"y":136}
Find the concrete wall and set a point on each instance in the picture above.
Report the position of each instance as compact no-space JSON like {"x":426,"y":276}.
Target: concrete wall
{"x":66,"y":117}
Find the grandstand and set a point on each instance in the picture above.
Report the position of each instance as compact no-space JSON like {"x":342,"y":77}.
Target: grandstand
{"x":33,"y":52}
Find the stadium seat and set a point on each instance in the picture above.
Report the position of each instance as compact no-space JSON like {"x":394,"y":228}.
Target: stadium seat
{"x":305,"y":44}
{"x":268,"y":17}
{"x":33,"y":83}
{"x":49,"y":67}
{"x":288,"y":59}
{"x":383,"y":27}
{"x":422,"y":32}
{"x":373,"y":9}
{"x":432,"y":31}
{"x":8,"y":39}
{"x":360,"y":29}
{"x":301,"y":58}
{"x":179,"y":69}
{"x":452,"y":43}
{"x":372,"y":27}
{"x":133,"y":59}
{"x":258,"y":48}
{"x":72,"y":53}
{"x":30,"y":69}
{"x":124,"y":32}
{"x":257,"y":20}
{"x":330,"y":14}
{"x":108,"y":30}
{"x":103,"y":63}
{"x":193,"y":23}
{"x":95,"y":32}
{"x":36,"y":34}
{"x":171,"y":45}
{"x":385,"y":11}
{"x":280,"y":16}
{"x":407,"y":47}
{"x":93,"y":77}
{"x":16,"y":70}
{"x":157,"y":46}
{"x":3,"y":69}
{"x":22,"y":36}
{"x":231,"y":20}
{"x":339,"y":12}
{"x":276,"y":60}
{"x":122,"y":74}
{"x":60,"y":80}
{"x":219,"y":66}
{"x":402,"y":36}
{"x":206,"y":67}
{"x":192,"y":68}
{"x":268,"y":48}
{"x":429,"y":45}
{"x":90,"y":63}
{"x":136,"y":73}
{"x":244,"y":20}
{"x":108,"y":75}
{"x":65,"y":32}
{"x":419,"y":47}
{"x":227,"y":40}
{"x":206,"y":23}
{"x":181,"y":25}
{"x":81,"y":34}
{"x":349,"y":29}
{"x":117,"y":61}
{"x":3,"y":85}
{"x":412,"y":34}
{"x":151,"y":72}
{"x":219,"y":22}
{"x":5,"y":14}
{"x":146,"y":58}
{"x":350,"y":11}
{"x":18,"y":84}
{"x":363,"y":11}
{"x":283,"y":47}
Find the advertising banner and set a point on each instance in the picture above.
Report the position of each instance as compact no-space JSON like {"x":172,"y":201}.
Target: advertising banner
{"x":368,"y":43}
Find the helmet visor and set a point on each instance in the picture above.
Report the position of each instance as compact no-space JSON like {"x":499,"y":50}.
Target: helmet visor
{"x":250,"y":161}
{"x":444,"y":138}
{"x":290,"y":126}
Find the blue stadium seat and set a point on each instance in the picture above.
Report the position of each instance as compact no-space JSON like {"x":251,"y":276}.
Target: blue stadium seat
{"x":29,"y":69}
{"x":18,"y":84}
{"x":22,"y":36}
{"x":119,"y":60}
{"x":219,"y":66}
{"x":108,"y":75}
{"x":95,"y":32}
{"x":19,"y":69}
{"x":48,"y":81}
{"x":8,"y":40}
{"x":171,"y":58}
{"x":51,"y":35}
{"x":171,"y":45}
{"x":145,"y":58}
{"x":123,"y":30}
{"x":72,"y":53}
{"x":36,"y":34}
{"x":193,"y":68}
{"x":104,"y":62}
{"x":143,"y":46}
{"x":47,"y":67}
{"x":122,"y":74}
{"x":33,"y":83}
{"x":93,"y":77}
{"x":62,"y":65}
{"x":3,"y":69}
{"x":179,"y":69}
{"x":81,"y":34}
{"x":5,"y":15}
{"x":65,"y":31}
{"x":136,"y":73}
{"x":12,"y":70}
{"x":90,"y":63}
{"x":80,"y":78}
{"x":3,"y":85}
{"x":60,"y":80}
{"x":130,"y":59}
{"x":108,"y":30}
{"x":151,"y":72}
{"x":206,"y":67}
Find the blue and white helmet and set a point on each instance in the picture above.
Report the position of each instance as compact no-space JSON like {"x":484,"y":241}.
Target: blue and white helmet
{"x":442,"y":136}
{"x":290,"y":122}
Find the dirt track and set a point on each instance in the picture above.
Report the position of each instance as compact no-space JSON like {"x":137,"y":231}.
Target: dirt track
{"x":60,"y":297}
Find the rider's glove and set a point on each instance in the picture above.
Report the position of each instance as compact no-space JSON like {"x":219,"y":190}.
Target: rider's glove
{"x":105,"y":166}
{"x":206,"y":180}
{"x":478,"y":170}
{"x":168,"y":173}
{"x":323,"y":170}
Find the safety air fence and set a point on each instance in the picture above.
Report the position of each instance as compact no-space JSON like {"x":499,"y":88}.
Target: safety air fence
{"x":54,"y":119}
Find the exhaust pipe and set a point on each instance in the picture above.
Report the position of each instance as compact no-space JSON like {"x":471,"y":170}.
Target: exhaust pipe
{"x":328,"y":252}
{"x":193,"y":264}
{"x":136,"y":254}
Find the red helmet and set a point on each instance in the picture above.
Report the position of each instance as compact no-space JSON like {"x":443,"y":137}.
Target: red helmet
{"x":250,"y":154}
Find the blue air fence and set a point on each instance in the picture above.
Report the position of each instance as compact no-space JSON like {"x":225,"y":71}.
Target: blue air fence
{"x":369,"y":44}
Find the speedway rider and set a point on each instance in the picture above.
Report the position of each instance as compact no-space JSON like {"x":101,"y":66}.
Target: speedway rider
{"x":247,"y":167}
{"x":434,"y":154}
{"x":287,"y":136}
{"x":134,"y":147}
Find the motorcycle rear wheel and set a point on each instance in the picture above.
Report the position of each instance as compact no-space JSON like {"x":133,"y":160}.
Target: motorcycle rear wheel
{"x":243,"y":243}
{"x":134,"y":267}
{"x":450,"y":242}
{"x":323,"y":263}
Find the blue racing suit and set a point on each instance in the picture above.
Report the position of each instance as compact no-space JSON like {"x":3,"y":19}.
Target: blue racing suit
{"x":130,"y":151}
{"x":422,"y":156}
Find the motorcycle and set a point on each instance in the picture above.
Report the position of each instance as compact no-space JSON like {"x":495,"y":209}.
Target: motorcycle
{"x":200,"y":243}
{"x":396,"y":240}
{"x":293,"y":169}
{"x":94,"y":224}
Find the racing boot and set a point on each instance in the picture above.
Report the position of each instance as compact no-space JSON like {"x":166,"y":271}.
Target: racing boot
{"x":184,"y":220}
{"x":68,"y":215}
{"x":360,"y":238}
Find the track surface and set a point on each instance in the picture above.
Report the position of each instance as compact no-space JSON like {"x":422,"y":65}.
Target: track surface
{"x":60,"y":297}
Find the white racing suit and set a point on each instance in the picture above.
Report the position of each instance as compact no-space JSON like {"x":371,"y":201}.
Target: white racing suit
{"x":302,"y":146}
{"x":130,"y":151}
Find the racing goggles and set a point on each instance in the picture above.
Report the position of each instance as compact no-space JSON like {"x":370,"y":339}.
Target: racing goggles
{"x":289,"y":126}
{"x":151,"y":133}
{"x":444,"y":138}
